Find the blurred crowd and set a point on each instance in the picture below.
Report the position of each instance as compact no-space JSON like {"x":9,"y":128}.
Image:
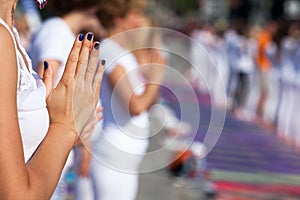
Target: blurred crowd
{"x":257,"y":65}
{"x":119,"y":141}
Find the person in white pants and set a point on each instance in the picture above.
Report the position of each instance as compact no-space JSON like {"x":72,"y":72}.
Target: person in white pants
{"x":126,"y":98}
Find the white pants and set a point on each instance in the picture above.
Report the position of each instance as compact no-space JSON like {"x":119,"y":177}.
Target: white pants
{"x":84,"y":189}
{"x":115,"y":171}
{"x":110,"y":184}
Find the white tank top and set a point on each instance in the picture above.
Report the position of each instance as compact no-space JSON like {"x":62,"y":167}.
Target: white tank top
{"x":31,"y":100}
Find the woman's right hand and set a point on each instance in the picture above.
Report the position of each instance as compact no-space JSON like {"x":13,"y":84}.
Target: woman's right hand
{"x":73,"y":101}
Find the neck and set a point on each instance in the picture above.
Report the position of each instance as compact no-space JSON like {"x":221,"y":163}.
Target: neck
{"x":76,"y":21}
{"x":120,"y":40}
{"x":115,"y":30}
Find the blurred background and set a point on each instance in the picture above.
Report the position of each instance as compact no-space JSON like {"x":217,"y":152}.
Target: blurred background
{"x":252,"y":56}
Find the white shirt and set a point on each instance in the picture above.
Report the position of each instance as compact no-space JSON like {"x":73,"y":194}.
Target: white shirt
{"x":31,"y":101}
{"x":117,"y":122}
{"x":53,"y":41}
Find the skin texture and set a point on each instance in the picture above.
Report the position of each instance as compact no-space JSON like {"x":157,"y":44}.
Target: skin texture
{"x":37,"y":178}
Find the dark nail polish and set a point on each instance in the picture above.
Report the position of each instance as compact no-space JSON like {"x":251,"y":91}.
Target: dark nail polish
{"x":103,"y":62}
{"x":89,"y":36}
{"x":46,"y":65}
{"x":81,"y":36}
{"x":97,"y":45}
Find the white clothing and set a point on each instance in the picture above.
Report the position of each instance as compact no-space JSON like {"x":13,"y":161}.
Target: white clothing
{"x":31,"y":101}
{"x":113,"y":185}
{"x":54,"y":41}
{"x":243,"y":54}
{"x":119,"y":151}
{"x":84,"y":189}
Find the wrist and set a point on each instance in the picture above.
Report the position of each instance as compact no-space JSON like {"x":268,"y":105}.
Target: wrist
{"x":67,"y":133}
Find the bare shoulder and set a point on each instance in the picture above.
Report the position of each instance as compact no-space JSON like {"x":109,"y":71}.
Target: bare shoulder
{"x":5,"y":37}
{"x":8,"y":59}
{"x":7,"y":51}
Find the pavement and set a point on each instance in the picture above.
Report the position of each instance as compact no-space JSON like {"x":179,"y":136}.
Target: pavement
{"x":248,"y":162}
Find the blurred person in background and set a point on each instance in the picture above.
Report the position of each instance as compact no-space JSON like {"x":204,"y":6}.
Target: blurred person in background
{"x":282,"y":53}
{"x":143,"y":47}
{"x":39,"y":124}
{"x":202,"y":58}
{"x":231,"y":38}
{"x":264,"y":39}
{"x":23,"y":28}
{"x":32,"y":15}
{"x":52,"y":42}
{"x":287,"y":40}
{"x":242,"y":58}
{"x":27,"y":21}
{"x":119,"y":151}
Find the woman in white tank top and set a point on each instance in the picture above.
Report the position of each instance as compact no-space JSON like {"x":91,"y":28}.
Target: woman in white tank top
{"x":33,"y":148}
{"x":126,"y":98}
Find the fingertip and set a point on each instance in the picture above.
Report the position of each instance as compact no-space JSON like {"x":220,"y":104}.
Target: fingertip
{"x":96,"y":45}
{"x":46,"y":65}
{"x":80,"y":37}
{"x":103,"y":62}
{"x":89,"y":36}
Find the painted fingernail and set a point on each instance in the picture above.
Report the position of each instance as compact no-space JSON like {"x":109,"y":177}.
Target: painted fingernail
{"x":96,"y":45}
{"x":89,"y":36}
{"x":46,"y":65}
{"x":103,"y":62}
{"x":81,"y":36}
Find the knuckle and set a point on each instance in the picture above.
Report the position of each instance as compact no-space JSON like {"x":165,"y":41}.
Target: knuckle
{"x":98,"y":79}
{"x":83,"y":61}
{"x":87,"y":44}
{"x":77,"y":45}
{"x":73,"y":58}
{"x":90,"y":69}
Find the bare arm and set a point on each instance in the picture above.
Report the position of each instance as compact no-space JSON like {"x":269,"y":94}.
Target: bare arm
{"x":136,"y":104}
{"x":85,"y":161}
{"x":38,"y":178}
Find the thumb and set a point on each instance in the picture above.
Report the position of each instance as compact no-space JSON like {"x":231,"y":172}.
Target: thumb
{"x":48,"y":78}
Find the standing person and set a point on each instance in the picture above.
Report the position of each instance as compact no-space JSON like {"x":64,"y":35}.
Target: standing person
{"x":49,"y":44}
{"x":243,"y":65}
{"x":264,"y":65}
{"x":148,"y":44}
{"x":32,"y":15}
{"x":119,"y":151}
{"x":40,"y":125}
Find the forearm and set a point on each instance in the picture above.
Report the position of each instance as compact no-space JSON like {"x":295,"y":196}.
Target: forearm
{"x":45,"y":167}
{"x":142,"y":103}
{"x":85,"y":154}
{"x":39,"y":177}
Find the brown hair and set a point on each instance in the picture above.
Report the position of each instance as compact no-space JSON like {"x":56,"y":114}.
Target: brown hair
{"x":111,"y":9}
{"x":61,"y":7}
